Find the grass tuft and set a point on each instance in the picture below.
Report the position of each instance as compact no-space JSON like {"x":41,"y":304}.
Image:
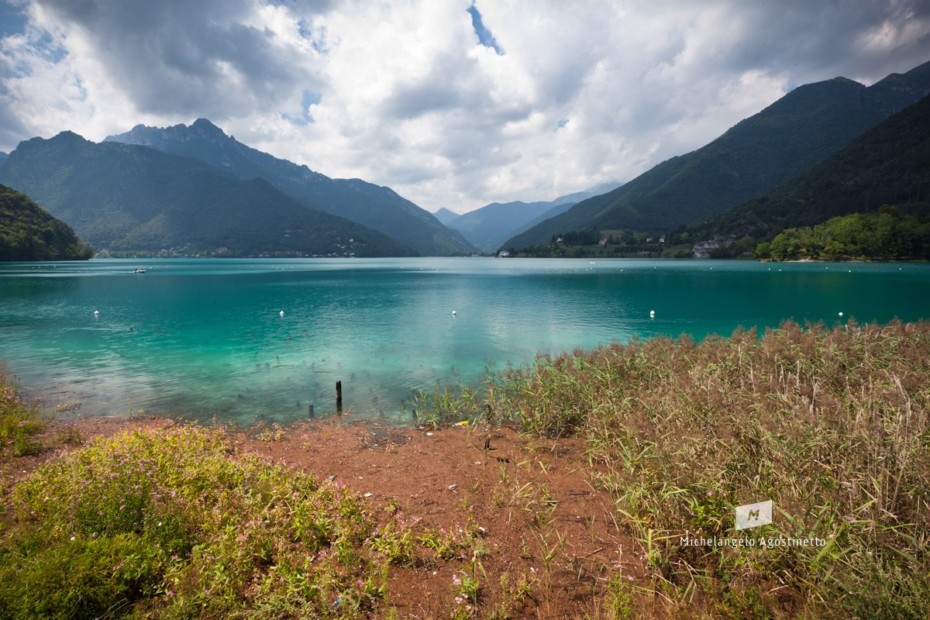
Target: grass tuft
{"x":19,"y":421}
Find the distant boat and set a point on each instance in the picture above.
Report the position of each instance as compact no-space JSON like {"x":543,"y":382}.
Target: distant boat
{"x":138,"y":270}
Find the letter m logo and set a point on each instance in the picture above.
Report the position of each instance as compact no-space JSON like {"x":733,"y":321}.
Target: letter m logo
{"x":753,"y":515}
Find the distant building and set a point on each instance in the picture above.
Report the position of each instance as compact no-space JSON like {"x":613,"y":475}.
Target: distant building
{"x":703,"y":249}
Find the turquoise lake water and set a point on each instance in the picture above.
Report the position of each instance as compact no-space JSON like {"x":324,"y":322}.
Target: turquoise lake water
{"x":204,"y":338}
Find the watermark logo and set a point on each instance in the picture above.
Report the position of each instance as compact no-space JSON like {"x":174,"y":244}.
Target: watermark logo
{"x":753,"y":515}
{"x":747,"y":517}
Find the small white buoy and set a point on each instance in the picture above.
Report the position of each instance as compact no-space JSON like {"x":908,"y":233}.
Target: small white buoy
{"x":96,"y":313}
{"x":652,"y":314}
{"x":281,"y":314}
{"x":454,"y":313}
{"x":839,"y":314}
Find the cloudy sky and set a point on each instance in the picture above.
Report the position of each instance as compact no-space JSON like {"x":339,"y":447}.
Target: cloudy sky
{"x":452,"y":103}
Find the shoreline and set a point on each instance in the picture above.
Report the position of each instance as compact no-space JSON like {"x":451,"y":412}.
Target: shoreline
{"x":619,"y":496}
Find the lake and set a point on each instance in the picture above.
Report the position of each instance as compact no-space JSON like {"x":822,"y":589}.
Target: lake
{"x":206,"y":338}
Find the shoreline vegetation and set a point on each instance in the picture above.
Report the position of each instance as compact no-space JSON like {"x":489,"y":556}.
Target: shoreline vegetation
{"x":30,"y":233}
{"x":832,"y":425}
{"x":892,"y":234}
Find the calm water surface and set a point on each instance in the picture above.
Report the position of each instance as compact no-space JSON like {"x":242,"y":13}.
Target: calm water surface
{"x":205,"y":338}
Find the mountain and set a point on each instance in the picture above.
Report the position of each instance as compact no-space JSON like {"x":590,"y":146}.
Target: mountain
{"x":445,"y":216}
{"x":889,"y":165}
{"x":488,"y":227}
{"x":132,"y":199}
{"x":3,"y":157}
{"x":565,"y":203}
{"x":28,"y":232}
{"x":751,"y":158}
{"x":375,"y":207}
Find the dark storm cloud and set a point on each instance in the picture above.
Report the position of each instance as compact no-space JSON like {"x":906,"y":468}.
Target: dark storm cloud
{"x":816,"y":40}
{"x":423,"y":97}
{"x":194,"y":58}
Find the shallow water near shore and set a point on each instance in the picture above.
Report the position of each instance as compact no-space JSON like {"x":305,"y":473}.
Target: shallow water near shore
{"x":205,"y":338}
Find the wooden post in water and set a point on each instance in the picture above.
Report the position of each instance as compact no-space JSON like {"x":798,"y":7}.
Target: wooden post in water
{"x":310,"y":412}
{"x":338,"y":396}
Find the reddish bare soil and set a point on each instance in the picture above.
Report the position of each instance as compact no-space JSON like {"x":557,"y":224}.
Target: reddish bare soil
{"x":542,"y":523}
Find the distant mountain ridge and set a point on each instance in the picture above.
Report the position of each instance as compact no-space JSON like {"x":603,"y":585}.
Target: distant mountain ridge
{"x":373,"y":206}
{"x":133,"y":199}
{"x":488,"y":227}
{"x":30,"y":233}
{"x":445,"y":216}
{"x":756,"y":155}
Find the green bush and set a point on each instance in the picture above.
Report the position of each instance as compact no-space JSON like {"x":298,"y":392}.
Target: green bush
{"x":81,"y":579}
{"x":170,"y":521}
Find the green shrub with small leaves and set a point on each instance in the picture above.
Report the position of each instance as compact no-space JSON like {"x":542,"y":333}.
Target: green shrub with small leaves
{"x":169,"y":520}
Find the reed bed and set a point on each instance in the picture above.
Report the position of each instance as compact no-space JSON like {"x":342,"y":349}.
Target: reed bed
{"x":830,"y":424}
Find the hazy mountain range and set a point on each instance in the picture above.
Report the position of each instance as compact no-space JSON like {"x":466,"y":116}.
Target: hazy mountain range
{"x":132,"y":199}
{"x":445,"y":216}
{"x":193,"y":190}
{"x":756,"y":155}
{"x":373,"y":206}
{"x":488,"y":227}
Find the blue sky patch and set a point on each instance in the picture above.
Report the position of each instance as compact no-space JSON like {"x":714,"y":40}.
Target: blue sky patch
{"x":12,"y":20}
{"x":304,"y":118}
{"x":484,"y":35}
